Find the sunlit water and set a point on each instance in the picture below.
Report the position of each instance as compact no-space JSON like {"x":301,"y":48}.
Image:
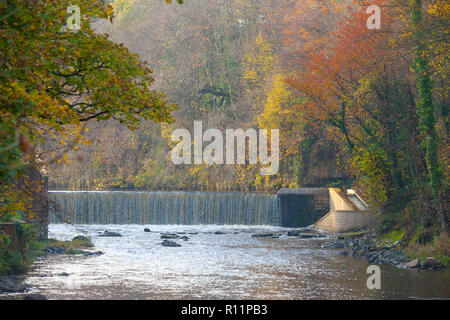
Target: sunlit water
{"x":218,"y":266}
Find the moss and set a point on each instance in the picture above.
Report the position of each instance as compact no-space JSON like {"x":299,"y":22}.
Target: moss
{"x":388,"y":239}
{"x":71,"y":247}
{"x":352,"y":235}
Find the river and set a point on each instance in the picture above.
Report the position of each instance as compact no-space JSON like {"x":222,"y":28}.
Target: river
{"x":232,"y":265}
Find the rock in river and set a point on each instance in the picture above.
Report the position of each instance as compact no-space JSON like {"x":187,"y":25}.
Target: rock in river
{"x":307,"y":235}
{"x":81,"y":238}
{"x":147,"y":230}
{"x":169,"y":236}
{"x":168,"y":243}
{"x":263,"y":235}
{"x":431,"y":262}
{"x":109,"y":234}
{"x":11,"y":284}
{"x":35,"y":296}
{"x":412,"y":264}
{"x":56,"y":250}
{"x":293,"y":233}
{"x":91,"y":253}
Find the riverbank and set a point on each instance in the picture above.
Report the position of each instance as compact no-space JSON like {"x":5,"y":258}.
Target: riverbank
{"x":77,"y":246}
{"x":212,"y":262}
{"x":387,"y":250}
{"x":216,"y":262}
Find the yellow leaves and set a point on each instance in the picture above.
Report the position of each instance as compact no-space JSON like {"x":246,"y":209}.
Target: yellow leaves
{"x":259,"y":62}
{"x":277,"y":106}
{"x":439,"y":8}
{"x":14,"y":200}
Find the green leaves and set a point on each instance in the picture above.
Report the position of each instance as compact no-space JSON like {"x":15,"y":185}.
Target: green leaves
{"x":55,"y":78}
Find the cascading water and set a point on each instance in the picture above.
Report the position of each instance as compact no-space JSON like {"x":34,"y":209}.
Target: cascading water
{"x":131,"y":207}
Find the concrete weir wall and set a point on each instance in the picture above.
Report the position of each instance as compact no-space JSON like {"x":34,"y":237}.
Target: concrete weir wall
{"x":344,"y":221}
{"x":348,"y":212}
{"x":301,"y":207}
{"x":327,"y":209}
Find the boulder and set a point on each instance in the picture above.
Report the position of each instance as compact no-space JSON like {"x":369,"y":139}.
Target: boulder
{"x":81,"y":238}
{"x":35,"y":296}
{"x":81,"y":241}
{"x":63,"y":274}
{"x":263,"y":235}
{"x":147,"y":230}
{"x":11,"y":285}
{"x":293,"y":233}
{"x":169,"y":236}
{"x":56,"y":250}
{"x":168,"y":243}
{"x":90,"y":253}
{"x":185,"y":238}
{"x":219,"y":232}
{"x":307,"y":235}
{"x":431,"y":262}
{"x":109,"y":234}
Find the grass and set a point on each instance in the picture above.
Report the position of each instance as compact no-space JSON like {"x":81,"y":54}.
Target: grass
{"x":439,"y":249}
{"x":72,"y":247}
{"x":352,"y":235}
{"x":388,"y":239}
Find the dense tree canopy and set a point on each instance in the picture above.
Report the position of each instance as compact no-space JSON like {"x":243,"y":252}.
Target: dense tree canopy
{"x":356,"y":107}
{"x":53,"y":80}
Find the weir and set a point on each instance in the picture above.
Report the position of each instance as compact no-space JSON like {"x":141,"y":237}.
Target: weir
{"x":328,"y":209}
{"x":132,"y":207}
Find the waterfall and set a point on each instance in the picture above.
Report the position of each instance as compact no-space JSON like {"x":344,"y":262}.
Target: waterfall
{"x":131,"y":207}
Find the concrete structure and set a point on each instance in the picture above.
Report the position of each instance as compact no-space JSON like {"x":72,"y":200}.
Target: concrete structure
{"x":301,"y":207}
{"x":348,"y":212}
{"x":326,"y":209}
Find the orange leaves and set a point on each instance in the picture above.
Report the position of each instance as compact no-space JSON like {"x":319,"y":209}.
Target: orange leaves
{"x":333,"y":63}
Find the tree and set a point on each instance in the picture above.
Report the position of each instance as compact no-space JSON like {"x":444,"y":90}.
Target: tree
{"x":53,"y":80}
{"x":426,"y":112}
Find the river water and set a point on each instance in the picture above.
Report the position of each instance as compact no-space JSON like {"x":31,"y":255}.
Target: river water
{"x":233,"y":265}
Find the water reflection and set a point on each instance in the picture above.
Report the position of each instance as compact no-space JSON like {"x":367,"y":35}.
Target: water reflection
{"x":210,"y":266}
